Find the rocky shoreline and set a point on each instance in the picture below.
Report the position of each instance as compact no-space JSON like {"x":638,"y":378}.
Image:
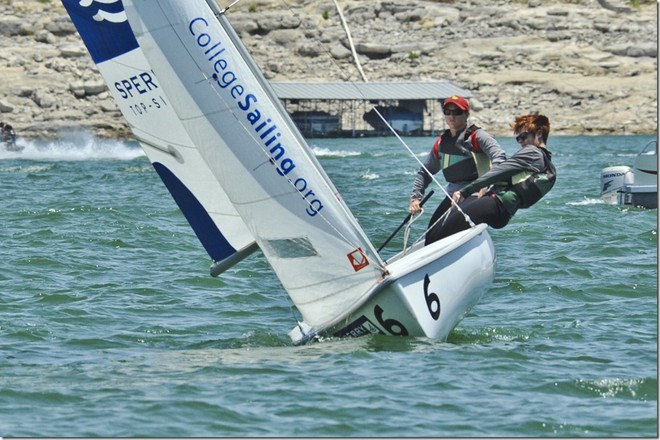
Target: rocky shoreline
{"x":590,"y":66}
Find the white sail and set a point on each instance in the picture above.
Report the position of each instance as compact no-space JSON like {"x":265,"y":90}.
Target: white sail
{"x":314,"y":244}
{"x":144,"y":103}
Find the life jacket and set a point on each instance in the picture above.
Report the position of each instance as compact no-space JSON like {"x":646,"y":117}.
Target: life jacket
{"x":531,"y":187}
{"x":459,"y":163}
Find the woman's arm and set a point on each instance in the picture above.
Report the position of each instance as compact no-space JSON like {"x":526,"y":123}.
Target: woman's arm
{"x":528,"y":158}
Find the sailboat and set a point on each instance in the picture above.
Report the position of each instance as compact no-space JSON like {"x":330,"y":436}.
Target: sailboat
{"x":244,"y":137}
{"x":137,"y":91}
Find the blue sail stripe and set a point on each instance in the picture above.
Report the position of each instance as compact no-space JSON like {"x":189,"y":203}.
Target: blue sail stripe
{"x":103,"y":27}
{"x":207,"y":232}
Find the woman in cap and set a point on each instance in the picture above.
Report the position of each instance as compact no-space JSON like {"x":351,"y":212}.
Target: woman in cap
{"x":462,"y":153}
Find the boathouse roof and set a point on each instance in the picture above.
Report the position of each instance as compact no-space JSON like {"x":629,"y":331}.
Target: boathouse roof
{"x":368,"y":91}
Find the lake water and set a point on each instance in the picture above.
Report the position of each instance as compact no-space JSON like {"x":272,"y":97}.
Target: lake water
{"x":111,"y":326}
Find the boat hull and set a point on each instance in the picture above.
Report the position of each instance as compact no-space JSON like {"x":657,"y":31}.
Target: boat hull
{"x":643,"y":196}
{"x":637,"y":186}
{"x":426,"y":292}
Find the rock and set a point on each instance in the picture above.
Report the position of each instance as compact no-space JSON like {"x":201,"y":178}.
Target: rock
{"x":73,"y":51}
{"x":94,"y":87}
{"x":43,"y":98}
{"x":11,"y":26}
{"x":634,"y":50}
{"x":5,"y":107}
{"x":339,"y":52}
{"x":572,"y":60}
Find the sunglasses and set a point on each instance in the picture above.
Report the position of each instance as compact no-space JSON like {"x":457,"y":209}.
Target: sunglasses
{"x":456,"y":112}
{"x":522,"y":136}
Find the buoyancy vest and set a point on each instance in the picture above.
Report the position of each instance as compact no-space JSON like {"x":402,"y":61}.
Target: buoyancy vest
{"x":531,"y":187}
{"x":459,"y":163}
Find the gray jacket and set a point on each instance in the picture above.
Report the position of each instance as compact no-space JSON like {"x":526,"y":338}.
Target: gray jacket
{"x":489,"y":146}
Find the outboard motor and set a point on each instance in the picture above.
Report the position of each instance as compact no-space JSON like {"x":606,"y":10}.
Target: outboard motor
{"x":612,"y":179}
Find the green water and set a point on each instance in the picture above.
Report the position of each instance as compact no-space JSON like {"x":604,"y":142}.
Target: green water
{"x":111,"y":326}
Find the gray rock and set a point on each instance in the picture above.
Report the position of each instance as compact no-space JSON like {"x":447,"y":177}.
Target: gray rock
{"x":309,"y":50}
{"x":245,"y":27}
{"x":513,"y":57}
{"x":339,"y":52}
{"x":61,"y":26}
{"x":5,"y":107}
{"x":11,"y":26}
{"x":94,"y":87}
{"x":43,"y":98}
{"x":634,"y":50}
{"x":73,"y":51}
{"x":373,"y":50}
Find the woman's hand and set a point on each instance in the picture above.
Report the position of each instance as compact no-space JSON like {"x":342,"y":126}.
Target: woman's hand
{"x":456,"y":199}
{"x":415,"y":206}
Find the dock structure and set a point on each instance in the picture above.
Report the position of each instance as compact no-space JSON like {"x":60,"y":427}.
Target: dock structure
{"x":355,"y":109}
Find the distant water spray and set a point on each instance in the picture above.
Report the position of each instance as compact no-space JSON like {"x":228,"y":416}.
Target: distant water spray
{"x":73,"y":146}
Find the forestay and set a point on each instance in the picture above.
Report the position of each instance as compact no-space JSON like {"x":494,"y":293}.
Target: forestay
{"x":145,"y":104}
{"x":314,"y":244}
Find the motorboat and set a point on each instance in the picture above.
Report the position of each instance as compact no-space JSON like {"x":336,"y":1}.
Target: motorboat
{"x":636,"y":186}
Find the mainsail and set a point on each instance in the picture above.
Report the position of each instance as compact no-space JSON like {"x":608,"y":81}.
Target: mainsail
{"x":145,"y":104}
{"x":310,"y":238}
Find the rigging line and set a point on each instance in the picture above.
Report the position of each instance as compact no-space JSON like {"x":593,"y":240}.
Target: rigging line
{"x":443,"y":217}
{"x":322,"y":46}
{"x":222,"y":11}
{"x":350,"y":41}
{"x":406,"y":232}
{"x":467,"y":218}
{"x":353,"y":83}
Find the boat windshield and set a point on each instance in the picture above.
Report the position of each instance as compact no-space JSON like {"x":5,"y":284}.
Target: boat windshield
{"x":650,"y":149}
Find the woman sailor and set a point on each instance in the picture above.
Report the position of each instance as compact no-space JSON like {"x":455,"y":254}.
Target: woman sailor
{"x":518,"y":182}
{"x":462,"y":153}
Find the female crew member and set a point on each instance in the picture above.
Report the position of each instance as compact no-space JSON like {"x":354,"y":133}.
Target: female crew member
{"x":518,"y":182}
{"x":462,"y":153}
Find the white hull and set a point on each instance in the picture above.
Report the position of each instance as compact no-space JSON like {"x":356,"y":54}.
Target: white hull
{"x":425,"y":293}
{"x":638,"y":186}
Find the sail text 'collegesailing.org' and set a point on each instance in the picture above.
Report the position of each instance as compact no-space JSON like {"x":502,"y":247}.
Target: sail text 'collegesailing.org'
{"x":225,"y":78}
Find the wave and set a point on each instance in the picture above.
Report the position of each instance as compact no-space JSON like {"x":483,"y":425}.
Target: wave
{"x":587,"y":201}
{"x":368,"y":175}
{"x":326,"y":152}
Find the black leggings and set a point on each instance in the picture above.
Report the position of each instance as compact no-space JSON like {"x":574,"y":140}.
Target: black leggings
{"x":487,"y":209}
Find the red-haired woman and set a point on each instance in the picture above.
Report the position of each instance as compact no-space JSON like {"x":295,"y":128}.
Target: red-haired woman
{"x":518,"y":182}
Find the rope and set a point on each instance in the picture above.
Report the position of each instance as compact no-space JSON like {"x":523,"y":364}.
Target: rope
{"x":350,"y":41}
{"x":222,"y":11}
